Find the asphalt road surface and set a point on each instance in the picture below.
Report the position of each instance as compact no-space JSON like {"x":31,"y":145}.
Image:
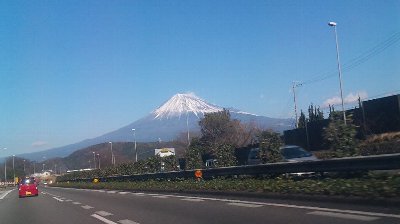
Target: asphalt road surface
{"x":59,"y":205}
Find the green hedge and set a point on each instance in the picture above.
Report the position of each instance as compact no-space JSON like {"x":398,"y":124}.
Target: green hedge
{"x":151,"y":165}
{"x":371,"y":186}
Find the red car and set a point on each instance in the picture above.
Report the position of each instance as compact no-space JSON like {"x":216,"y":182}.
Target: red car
{"x":28,"y":187}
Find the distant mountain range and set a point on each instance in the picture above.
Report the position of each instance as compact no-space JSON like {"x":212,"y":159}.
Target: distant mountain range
{"x":176,"y":116}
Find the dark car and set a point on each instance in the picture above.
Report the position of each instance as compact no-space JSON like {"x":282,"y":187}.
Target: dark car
{"x":294,"y":153}
{"x":27,"y":187}
{"x":290,"y":153}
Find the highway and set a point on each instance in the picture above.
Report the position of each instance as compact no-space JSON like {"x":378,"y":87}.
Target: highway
{"x":60,"y":205}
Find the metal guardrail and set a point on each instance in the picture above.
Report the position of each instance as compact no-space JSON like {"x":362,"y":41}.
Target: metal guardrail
{"x":362,"y":163}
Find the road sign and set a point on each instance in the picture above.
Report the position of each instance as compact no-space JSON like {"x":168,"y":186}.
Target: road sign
{"x":198,"y":174}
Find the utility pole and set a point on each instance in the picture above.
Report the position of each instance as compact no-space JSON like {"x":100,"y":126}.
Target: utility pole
{"x":295,"y":84}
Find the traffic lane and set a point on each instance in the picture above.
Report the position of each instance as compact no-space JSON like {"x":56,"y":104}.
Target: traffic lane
{"x":153,"y":208}
{"x":39,"y":210}
{"x":156,"y":208}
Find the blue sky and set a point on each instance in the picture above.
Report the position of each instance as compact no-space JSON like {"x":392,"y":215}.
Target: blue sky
{"x":72,"y":70}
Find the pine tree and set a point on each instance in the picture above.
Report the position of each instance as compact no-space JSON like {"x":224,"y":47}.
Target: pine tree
{"x":302,"y":120}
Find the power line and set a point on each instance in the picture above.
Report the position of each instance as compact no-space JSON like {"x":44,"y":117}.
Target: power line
{"x":390,"y":93}
{"x":362,"y":58}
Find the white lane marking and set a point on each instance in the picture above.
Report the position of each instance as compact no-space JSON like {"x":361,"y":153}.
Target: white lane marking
{"x":192,"y":199}
{"x":76,"y":203}
{"x":112,"y":192}
{"x":154,"y":194}
{"x":388,"y":215}
{"x":58,"y":199}
{"x":160,"y":196}
{"x":5,"y":194}
{"x":344,"y":216}
{"x":139,"y":194}
{"x":123,"y":192}
{"x":245,"y":205}
{"x":103,"y":213}
{"x":87,"y":207}
{"x":127,"y":221}
{"x":68,"y":200}
{"x":292,"y":206}
{"x":103,"y":219}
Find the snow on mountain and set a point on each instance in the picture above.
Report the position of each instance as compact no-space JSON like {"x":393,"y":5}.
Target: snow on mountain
{"x":180,"y":104}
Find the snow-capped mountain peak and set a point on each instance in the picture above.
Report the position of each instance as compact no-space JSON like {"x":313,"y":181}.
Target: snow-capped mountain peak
{"x":181,"y":104}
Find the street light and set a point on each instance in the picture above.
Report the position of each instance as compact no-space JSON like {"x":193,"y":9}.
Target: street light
{"x":134,"y":137}
{"x":5,"y":170}
{"x":24,"y":167}
{"x":94,"y":160}
{"x":333,"y":24}
{"x":13,"y":169}
{"x":99,"y":159}
{"x":112,"y":155}
{"x":43,"y":167}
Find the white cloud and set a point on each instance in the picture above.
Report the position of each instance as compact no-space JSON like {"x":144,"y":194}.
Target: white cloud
{"x":39,"y":143}
{"x":350,"y":98}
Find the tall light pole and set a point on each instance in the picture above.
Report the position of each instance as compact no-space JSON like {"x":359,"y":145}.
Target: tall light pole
{"x":13,"y":169}
{"x":134,"y":137}
{"x":333,"y":24}
{"x":24,"y":166}
{"x":5,"y":169}
{"x":112,"y":155}
{"x":43,"y":167}
{"x":94,"y":160}
{"x":99,"y":159}
{"x":187,"y":127}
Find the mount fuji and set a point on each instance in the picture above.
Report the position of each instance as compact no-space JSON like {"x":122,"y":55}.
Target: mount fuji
{"x":179,"y":114}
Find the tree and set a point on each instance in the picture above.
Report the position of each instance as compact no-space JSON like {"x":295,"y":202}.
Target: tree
{"x":219,"y":129}
{"x":341,"y":137}
{"x":302,"y":120}
{"x":314,"y":113}
{"x":193,"y":154}
{"x":270,"y":143}
{"x":225,"y":156}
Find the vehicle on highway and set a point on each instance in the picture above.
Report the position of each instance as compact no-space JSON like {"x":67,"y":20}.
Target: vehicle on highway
{"x":294,"y":153}
{"x":28,"y":187}
{"x":290,"y":153}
